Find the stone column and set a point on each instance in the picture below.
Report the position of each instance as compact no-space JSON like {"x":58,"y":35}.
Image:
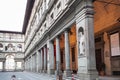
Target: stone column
{"x":38,"y":61}
{"x":26,"y":63}
{"x":67,"y":72}
{"x":58,"y":62}
{"x":51,"y":53}
{"x":45,"y":59}
{"x":15,"y":65}
{"x":85,"y":41}
{"x":42,"y":66}
{"x":3,"y":66}
{"x":31,"y":63}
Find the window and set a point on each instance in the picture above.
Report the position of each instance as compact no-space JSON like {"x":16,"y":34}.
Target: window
{"x":1,"y":47}
{"x":6,"y":48}
{"x":58,"y":7}
{"x":115,"y":47}
{"x":51,"y":16}
{"x":19,"y":65}
{"x":45,"y":26}
{"x":19,"y":47}
{"x":10,"y":47}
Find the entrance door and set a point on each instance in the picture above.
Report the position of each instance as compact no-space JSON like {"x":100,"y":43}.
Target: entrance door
{"x":98,"y":54}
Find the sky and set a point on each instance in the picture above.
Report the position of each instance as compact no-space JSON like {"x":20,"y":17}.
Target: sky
{"x":12,"y":15}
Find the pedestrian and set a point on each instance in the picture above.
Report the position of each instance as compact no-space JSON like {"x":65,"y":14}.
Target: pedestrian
{"x":13,"y":77}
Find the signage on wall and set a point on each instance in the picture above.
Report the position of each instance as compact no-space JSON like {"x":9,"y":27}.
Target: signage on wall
{"x":114,"y":41}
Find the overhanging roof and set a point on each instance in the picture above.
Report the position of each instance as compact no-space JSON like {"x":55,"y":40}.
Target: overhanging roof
{"x":29,"y":7}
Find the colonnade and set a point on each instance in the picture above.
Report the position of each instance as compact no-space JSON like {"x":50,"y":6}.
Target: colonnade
{"x":50,"y":59}
{"x":43,"y":60}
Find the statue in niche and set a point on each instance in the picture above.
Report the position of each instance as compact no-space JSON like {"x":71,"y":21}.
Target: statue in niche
{"x":81,"y":42}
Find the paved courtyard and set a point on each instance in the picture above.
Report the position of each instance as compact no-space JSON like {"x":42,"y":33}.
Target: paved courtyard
{"x":25,"y":76}
{"x":36,"y":76}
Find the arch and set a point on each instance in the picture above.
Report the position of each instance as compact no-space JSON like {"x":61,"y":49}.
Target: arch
{"x":10,"y":47}
{"x":10,"y":63}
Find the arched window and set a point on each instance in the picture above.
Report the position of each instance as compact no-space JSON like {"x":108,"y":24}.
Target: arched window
{"x":1,"y":47}
{"x":19,"y":47}
{"x":10,"y":47}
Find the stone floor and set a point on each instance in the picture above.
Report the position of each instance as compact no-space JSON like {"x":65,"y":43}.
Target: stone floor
{"x":25,"y":76}
{"x":38,"y":76}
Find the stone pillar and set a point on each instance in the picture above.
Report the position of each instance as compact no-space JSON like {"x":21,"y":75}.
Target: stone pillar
{"x":51,"y":53}
{"x":31,"y":63}
{"x":45,"y":59}
{"x":26,"y":63}
{"x":42,"y":61}
{"x":85,"y":41}
{"x":67,"y":72}
{"x":3,"y":66}
{"x":15,"y":66}
{"x":58,"y":62}
{"x":38,"y":61}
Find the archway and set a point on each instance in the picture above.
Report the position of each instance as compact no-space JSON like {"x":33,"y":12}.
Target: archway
{"x":10,"y":63}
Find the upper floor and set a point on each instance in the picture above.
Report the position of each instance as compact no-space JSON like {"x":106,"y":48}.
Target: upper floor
{"x":11,"y":42}
{"x":45,"y":13}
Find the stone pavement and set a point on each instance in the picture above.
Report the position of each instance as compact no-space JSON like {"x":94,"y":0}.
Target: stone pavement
{"x":38,"y":76}
{"x":25,"y":76}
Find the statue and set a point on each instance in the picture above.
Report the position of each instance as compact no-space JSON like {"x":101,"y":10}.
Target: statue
{"x":81,"y":42}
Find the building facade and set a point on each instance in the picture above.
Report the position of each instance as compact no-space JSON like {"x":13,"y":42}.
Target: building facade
{"x":60,"y":38}
{"x":11,"y":51}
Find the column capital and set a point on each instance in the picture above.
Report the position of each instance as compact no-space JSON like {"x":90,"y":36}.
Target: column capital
{"x":67,"y":29}
{"x":58,"y":36}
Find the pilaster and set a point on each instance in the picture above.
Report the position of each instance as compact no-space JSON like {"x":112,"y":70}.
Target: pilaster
{"x":85,"y":41}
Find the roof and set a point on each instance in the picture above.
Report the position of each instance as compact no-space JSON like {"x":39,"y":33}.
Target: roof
{"x":29,"y":7}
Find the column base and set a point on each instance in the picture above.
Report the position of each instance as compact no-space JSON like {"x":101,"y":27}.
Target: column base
{"x":52,"y":71}
{"x":67,"y":73}
{"x":92,"y":75}
{"x":44,"y":71}
{"x":58,"y":72}
{"x":41,"y":71}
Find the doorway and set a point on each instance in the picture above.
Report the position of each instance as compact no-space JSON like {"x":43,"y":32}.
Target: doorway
{"x":100,"y":66}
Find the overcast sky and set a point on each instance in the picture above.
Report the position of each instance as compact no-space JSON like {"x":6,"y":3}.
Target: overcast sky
{"x":12,"y":14}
